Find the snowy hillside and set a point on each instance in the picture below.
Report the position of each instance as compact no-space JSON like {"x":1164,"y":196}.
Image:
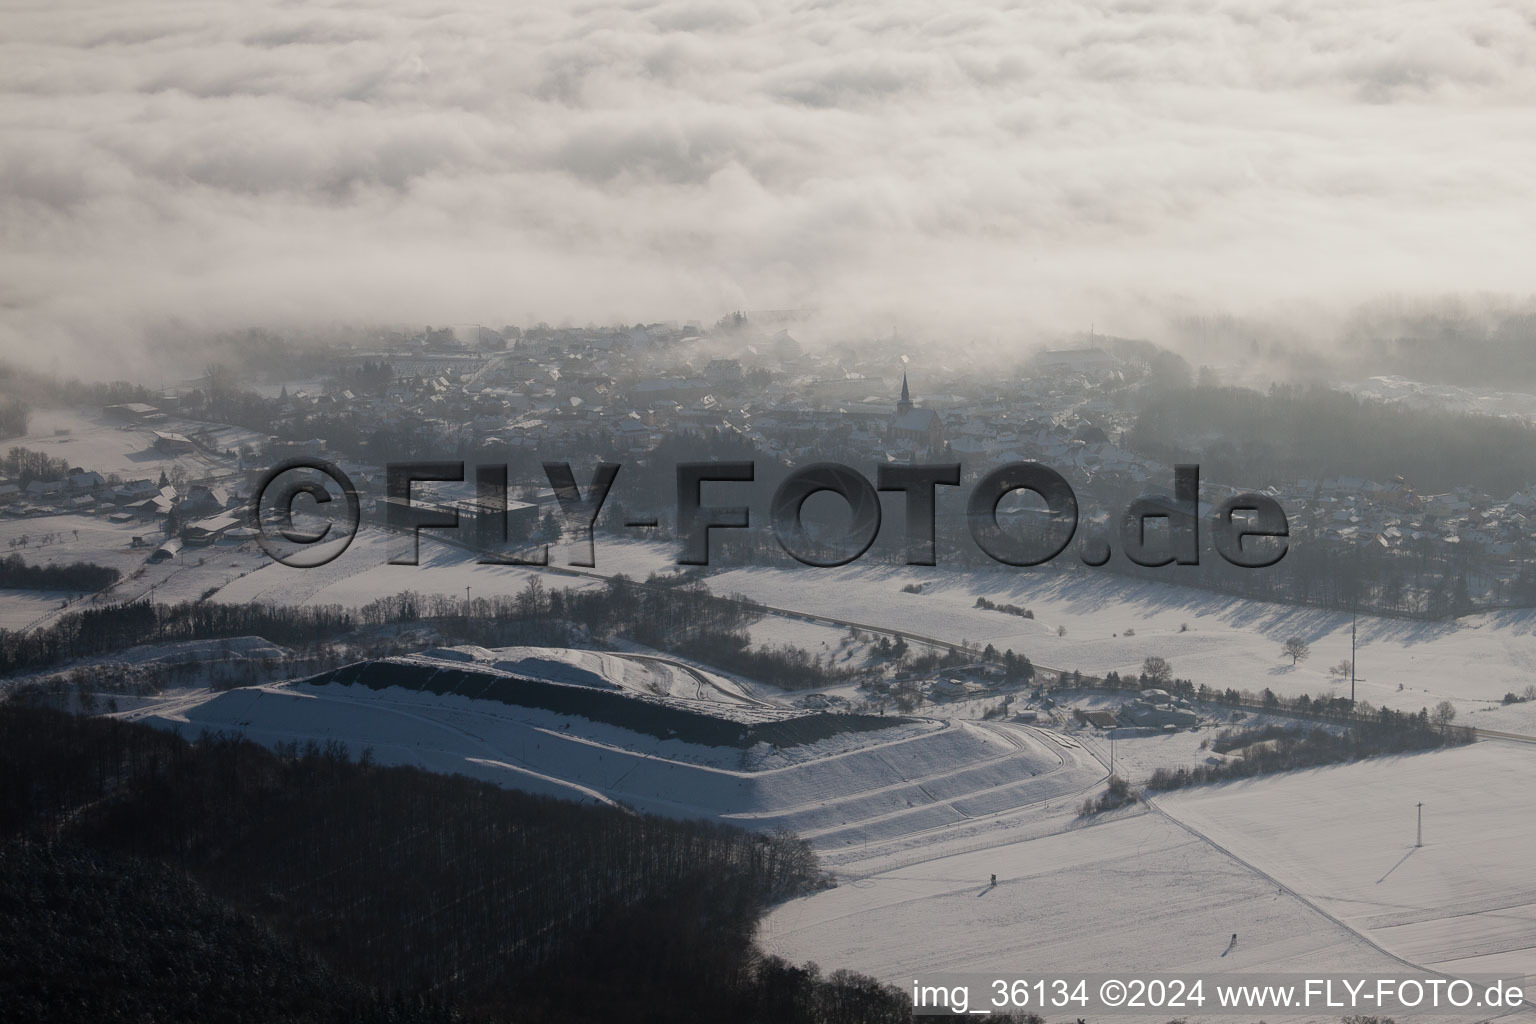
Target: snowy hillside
{"x":838,"y":780}
{"x":1138,"y":893}
{"x":1345,"y":838}
{"x":1094,"y":623}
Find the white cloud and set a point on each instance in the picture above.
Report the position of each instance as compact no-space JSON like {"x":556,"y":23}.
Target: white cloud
{"x":976,"y":171}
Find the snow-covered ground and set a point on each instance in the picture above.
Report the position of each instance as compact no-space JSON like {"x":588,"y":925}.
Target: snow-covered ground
{"x":1449,"y":397}
{"x":62,"y":539}
{"x":634,"y":672}
{"x":19,"y":609}
{"x":843,"y":793}
{"x":1209,"y":638}
{"x":1314,"y":869}
{"x":1136,"y":894}
{"x":84,"y":438}
{"x":1344,"y":837}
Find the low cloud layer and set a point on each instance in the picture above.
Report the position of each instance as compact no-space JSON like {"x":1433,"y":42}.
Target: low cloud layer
{"x":985,"y":173}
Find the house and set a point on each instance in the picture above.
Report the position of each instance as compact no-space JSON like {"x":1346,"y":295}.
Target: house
{"x":83,"y":480}
{"x":135,"y":490}
{"x":952,"y":688}
{"x":632,"y":435}
{"x":206,"y":531}
{"x":1150,"y":712}
{"x":165,"y":552}
{"x":476,"y":516}
{"x":174,"y":444}
{"x":131,"y":412}
{"x":203,"y":498}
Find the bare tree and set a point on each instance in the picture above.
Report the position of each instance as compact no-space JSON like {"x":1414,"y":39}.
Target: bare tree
{"x":1298,"y":649}
{"x":1156,"y":669}
{"x":1444,"y":714}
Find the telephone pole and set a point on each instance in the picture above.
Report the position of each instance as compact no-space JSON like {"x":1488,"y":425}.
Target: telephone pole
{"x":1421,"y":825}
{"x":1352,"y":619}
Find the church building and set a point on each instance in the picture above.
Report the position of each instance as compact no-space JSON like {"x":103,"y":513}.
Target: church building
{"x":919,"y":428}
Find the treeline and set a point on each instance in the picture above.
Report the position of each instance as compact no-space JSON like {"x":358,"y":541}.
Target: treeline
{"x":1315,"y":432}
{"x":110,"y":628}
{"x":23,"y":465}
{"x":16,"y":574}
{"x":1415,"y":724}
{"x":670,"y":612}
{"x":673,"y":613}
{"x":425,"y":890}
{"x":1281,"y":749}
{"x":1117,"y":793}
{"x":677,"y":613}
{"x":789,"y":668}
{"x":1334,"y":707}
{"x":1010,"y":609}
{"x":649,"y":611}
{"x":1450,"y":344}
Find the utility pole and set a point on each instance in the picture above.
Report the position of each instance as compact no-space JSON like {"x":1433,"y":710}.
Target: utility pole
{"x":1421,"y":824}
{"x":1352,"y":619}
{"x":466,"y":602}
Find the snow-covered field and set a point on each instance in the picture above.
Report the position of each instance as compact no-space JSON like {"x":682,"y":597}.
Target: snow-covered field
{"x":1316,"y":871}
{"x":1209,"y":638}
{"x":19,"y":609}
{"x":83,"y":438}
{"x":1136,"y":894}
{"x":1345,"y":836}
{"x":62,"y":539}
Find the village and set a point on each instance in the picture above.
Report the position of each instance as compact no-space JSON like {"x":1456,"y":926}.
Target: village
{"x":178,"y":465}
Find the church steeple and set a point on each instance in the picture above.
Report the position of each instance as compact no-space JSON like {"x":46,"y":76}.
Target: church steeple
{"x":904,"y":404}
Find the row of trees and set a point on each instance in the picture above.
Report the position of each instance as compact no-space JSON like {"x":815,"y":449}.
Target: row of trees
{"x":1296,"y":432}
{"x":677,"y":613}
{"x":1280,"y":748}
{"x":16,"y":574}
{"x":115,"y":627}
{"x":23,"y":465}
